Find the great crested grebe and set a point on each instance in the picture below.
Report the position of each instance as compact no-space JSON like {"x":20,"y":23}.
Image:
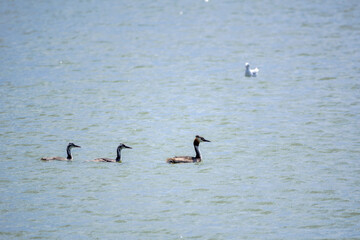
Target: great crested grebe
{"x":250,"y":72}
{"x":118,"y":157}
{"x":188,"y":159}
{"x":68,"y":151}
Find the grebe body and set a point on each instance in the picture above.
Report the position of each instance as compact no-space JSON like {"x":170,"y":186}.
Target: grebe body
{"x":188,"y":159}
{"x":68,"y":151}
{"x":118,"y":155}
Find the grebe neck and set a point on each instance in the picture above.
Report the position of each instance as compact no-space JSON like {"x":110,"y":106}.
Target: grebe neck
{"x":118,"y":156}
{"x":68,"y":151}
{"x":197,"y":150}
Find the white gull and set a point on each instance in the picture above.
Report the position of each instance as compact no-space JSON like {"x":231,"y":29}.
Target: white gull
{"x":250,"y":72}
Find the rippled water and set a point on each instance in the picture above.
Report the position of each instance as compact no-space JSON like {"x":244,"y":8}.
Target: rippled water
{"x":283,"y":162}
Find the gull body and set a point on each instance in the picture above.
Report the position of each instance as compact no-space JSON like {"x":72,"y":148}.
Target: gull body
{"x":250,"y":72}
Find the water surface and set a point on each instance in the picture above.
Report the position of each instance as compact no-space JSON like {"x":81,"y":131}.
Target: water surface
{"x":283,"y":162}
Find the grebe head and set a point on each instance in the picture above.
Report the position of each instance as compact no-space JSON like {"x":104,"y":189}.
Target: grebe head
{"x":72,"y":145}
{"x":121,"y":146}
{"x":201,"y":139}
{"x":68,"y":150}
{"x":247,"y":65}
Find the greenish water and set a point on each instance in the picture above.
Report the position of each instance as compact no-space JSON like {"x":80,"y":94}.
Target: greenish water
{"x":283,"y":162}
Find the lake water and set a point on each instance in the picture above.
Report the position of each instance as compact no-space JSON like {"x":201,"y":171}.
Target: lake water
{"x":284,"y":157}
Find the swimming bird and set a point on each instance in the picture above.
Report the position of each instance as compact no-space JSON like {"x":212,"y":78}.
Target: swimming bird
{"x":188,"y":159}
{"x":68,"y":151}
{"x":250,"y":72}
{"x":118,"y":157}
